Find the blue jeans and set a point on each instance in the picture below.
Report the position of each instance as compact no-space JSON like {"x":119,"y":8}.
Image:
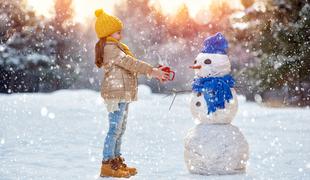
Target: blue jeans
{"x":117,"y":127}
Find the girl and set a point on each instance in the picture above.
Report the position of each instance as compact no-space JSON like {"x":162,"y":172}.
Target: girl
{"x":118,"y":89}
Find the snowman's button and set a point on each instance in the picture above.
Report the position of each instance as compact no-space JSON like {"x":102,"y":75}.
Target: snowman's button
{"x":198,"y":104}
{"x":198,"y":94}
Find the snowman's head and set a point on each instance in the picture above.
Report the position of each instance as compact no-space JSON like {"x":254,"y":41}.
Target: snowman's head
{"x":211,"y":65}
{"x":213,"y":60}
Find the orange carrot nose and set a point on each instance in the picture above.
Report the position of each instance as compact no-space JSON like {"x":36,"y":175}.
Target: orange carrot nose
{"x":195,"y":67}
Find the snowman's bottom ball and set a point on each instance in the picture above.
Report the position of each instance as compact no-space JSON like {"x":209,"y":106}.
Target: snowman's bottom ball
{"x":216,"y":150}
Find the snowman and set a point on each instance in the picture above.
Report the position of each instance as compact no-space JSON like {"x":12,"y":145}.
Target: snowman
{"x":214,"y":146}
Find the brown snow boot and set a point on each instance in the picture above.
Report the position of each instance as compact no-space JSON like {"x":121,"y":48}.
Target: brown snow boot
{"x":123,"y":166}
{"x":111,"y":168}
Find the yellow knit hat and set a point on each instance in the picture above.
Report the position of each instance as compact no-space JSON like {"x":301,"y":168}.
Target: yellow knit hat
{"x":106,"y":24}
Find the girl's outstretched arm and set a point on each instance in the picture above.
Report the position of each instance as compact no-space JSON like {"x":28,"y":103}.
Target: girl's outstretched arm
{"x":119,"y":58}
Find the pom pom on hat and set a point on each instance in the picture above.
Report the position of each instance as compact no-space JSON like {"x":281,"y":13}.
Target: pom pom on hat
{"x":99,"y":12}
{"x":216,"y":44}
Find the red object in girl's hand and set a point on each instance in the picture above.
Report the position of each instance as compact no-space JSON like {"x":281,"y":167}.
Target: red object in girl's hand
{"x":168,"y":70}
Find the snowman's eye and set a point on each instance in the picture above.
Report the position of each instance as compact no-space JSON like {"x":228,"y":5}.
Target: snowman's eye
{"x":208,"y":61}
{"x":195,"y":62}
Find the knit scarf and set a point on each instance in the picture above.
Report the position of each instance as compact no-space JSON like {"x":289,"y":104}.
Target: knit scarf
{"x":216,"y":90}
{"x":123,"y":46}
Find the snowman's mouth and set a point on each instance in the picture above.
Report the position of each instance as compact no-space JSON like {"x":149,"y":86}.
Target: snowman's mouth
{"x":195,"y":67}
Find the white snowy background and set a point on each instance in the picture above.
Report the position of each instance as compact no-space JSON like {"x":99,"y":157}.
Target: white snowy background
{"x":60,"y":136}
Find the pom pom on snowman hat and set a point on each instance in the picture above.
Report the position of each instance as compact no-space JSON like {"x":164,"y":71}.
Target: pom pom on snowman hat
{"x":216,"y":44}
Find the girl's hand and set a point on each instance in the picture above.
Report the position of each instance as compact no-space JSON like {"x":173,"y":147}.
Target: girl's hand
{"x":160,"y":74}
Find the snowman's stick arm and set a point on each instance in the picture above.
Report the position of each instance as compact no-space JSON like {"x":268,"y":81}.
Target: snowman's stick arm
{"x":172,"y":92}
{"x":183,"y":91}
{"x":175,"y":93}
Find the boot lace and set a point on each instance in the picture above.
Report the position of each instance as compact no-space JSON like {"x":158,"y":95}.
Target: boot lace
{"x":122,"y":162}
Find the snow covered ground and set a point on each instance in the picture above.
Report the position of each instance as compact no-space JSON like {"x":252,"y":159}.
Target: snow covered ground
{"x":60,"y":136}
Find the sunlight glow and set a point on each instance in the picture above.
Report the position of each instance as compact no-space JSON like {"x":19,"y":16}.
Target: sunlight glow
{"x":84,"y":10}
{"x":172,"y":6}
{"x":45,"y":8}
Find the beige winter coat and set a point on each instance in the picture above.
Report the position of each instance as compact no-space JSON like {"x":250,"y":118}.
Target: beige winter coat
{"x":120,"y":74}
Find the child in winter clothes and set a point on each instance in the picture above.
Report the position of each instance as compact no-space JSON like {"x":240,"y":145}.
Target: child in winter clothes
{"x":118,"y":89}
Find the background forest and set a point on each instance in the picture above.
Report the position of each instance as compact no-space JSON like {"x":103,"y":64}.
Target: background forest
{"x":269,"y":46}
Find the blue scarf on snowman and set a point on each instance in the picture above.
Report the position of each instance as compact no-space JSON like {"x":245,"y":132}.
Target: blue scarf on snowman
{"x":216,"y":90}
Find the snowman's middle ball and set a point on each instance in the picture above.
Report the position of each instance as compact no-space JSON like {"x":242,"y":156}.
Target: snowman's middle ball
{"x":199,"y":110}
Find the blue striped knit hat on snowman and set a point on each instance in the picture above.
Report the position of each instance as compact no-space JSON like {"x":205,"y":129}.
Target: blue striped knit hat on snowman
{"x":216,"y":44}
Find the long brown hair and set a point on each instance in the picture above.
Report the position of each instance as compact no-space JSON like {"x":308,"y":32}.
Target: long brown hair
{"x":99,"y":52}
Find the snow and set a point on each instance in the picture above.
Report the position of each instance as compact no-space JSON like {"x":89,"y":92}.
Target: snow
{"x":60,"y":136}
{"x":36,"y":58}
